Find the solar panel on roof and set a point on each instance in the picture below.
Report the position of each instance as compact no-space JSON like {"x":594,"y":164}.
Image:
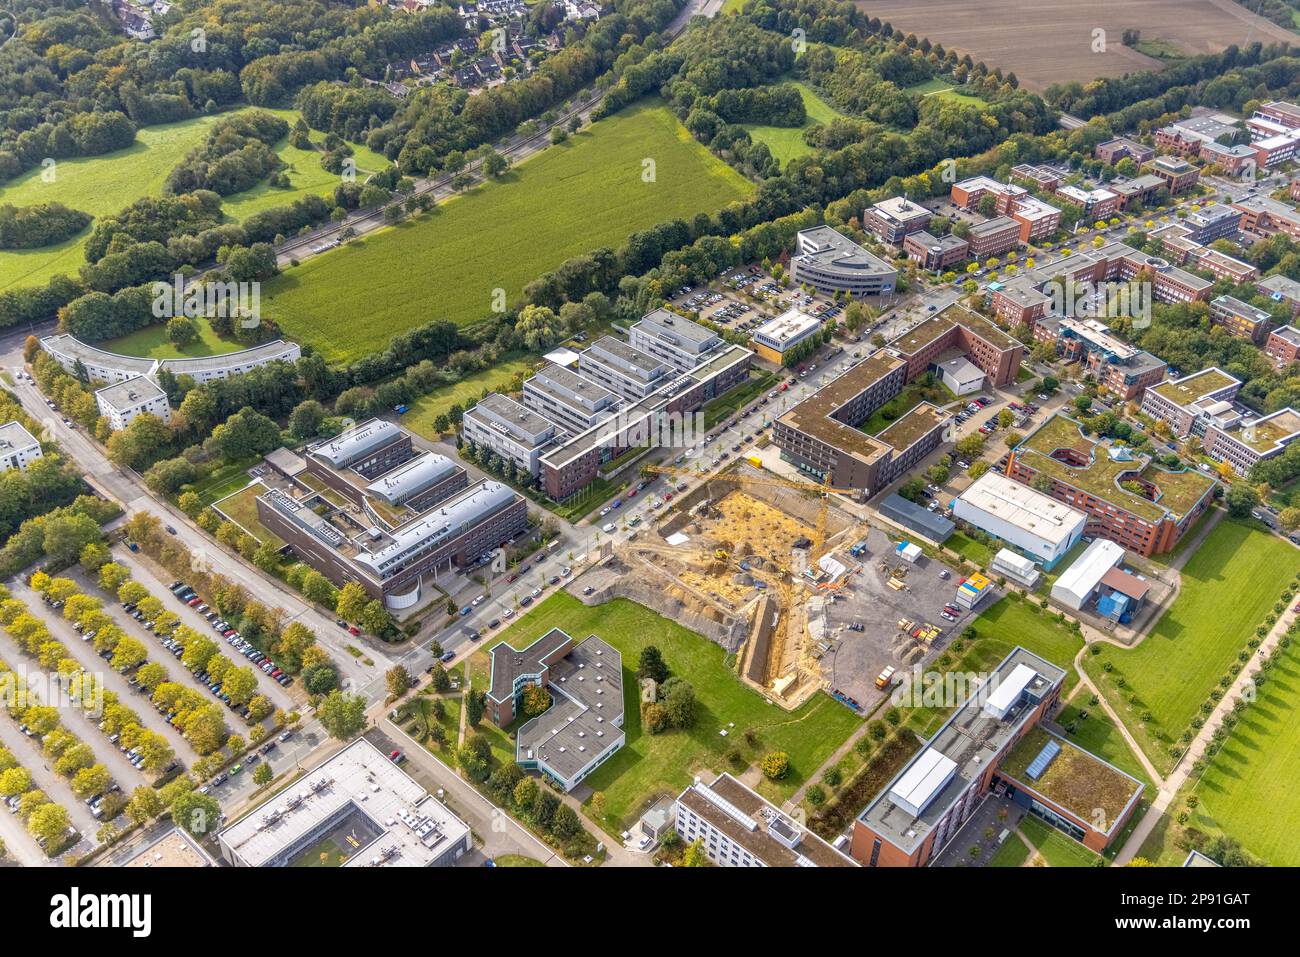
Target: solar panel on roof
{"x":1039,"y":765}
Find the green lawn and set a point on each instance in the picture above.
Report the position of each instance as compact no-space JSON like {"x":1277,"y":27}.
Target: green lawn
{"x":925,"y":389}
{"x":1058,"y":849}
{"x":467,"y":391}
{"x":221,"y":482}
{"x":725,"y":406}
{"x":241,"y":508}
{"x":152,"y":341}
{"x":1228,"y":587}
{"x":584,"y":194}
{"x":1012,"y":853}
{"x":970,"y":549}
{"x":944,"y":88}
{"x":1249,"y":790}
{"x":1012,"y":623}
{"x":104,"y":185}
{"x":651,"y":765}
{"x":786,"y":142}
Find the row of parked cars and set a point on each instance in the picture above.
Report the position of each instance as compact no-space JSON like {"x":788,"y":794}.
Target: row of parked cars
{"x":233,"y":638}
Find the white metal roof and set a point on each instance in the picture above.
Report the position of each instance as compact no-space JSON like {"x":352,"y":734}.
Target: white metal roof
{"x":1009,"y":690}
{"x":927,"y":776}
{"x":1097,"y":559}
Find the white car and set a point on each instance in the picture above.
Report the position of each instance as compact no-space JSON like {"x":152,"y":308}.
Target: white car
{"x":604,"y":511}
{"x":609,"y":528}
{"x":479,"y":600}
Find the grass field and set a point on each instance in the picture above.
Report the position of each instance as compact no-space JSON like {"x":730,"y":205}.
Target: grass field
{"x":1228,"y":587}
{"x":786,"y":142}
{"x":1057,"y":849}
{"x":970,"y":549}
{"x":1012,"y":853}
{"x":152,"y":341}
{"x":467,"y":391}
{"x":653,"y":765}
{"x":938,"y":87}
{"x":241,"y":508}
{"x":569,"y":199}
{"x":103,"y":185}
{"x":1248,"y":791}
{"x":725,"y":406}
{"x":1014,"y":623}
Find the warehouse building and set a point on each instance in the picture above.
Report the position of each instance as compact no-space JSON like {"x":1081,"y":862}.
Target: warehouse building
{"x":738,"y":828}
{"x":907,"y":515}
{"x":389,"y":820}
{"x":18,"y":447}
{"x":832,"y":263}
{"x":1037,"y":525}
{"x":1077,"y":583}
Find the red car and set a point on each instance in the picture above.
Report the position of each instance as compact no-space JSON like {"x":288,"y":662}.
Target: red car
{"x":193,"y":602}
{"x":354,"y":630}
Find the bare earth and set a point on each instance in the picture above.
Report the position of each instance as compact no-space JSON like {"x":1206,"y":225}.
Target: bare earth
{"x":1051,"y":41}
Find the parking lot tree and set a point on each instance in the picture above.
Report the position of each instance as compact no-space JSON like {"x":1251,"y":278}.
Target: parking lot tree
{"x":198,"y":651}
{"x":132,"y":591}
{"x":398,"y":680}
{"x":77,"y":606}
{"x":236,"y":745}
{"x":150,"y":607}
{"x":41,"y":718}
{"x":342,"y":715}
{"x":49,"y":823}
{"x":1012,"y":439}
{"x":14,"y":781}
{"x":199,"y":814}
{"x":94,"y":556}
{"x":90,"y":781}
{"x":151,"y":675}
{"x":78,"y":756}
{"x":128,"y":653}
{"x":205,"y":728}
{"x":938,"y":473}
{"x":240,"y":684}
{"x":30,"y":801}
{"x":66,"y":535}
{"x":352,"y":601}
{"x":970,"y":446}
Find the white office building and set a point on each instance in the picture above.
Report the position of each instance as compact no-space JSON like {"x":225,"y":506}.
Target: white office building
{"x":1037,"y":525}
{"x":667,"y":336}
{"x":509,"y":429}
{"x":122,"y":402}
{"x":738,"y":828}
{"x":18,"y":449}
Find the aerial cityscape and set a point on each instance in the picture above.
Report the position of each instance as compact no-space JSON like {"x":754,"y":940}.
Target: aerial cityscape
{"x":649,"y":433}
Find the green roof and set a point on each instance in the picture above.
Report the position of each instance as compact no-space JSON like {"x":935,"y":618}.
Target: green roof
{"x":1076,"y":780}
{"x":1266,"y":433}
{"x":1190,"y":388}
{"x":1177,"y":492}
{"x":913,"y":426}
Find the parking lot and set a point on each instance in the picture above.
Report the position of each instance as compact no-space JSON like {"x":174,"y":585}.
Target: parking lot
{"x":858,"y":657}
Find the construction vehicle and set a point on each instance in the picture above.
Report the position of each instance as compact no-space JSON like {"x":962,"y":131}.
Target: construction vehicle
{"x":886,"y":677}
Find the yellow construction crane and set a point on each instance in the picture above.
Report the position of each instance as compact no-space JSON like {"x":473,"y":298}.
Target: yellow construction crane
{"x":825,"y":489}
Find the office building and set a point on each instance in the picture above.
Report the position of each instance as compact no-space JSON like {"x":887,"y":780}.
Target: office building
{"x":737,"y":828}
{"x":1127,"y":498}
{"x":624,"y":370}
{"x":894,"y":219}
{"x":1240,"y":319}
{"x":934,"y":252}
{"x":1190,"y":404}
{"x":775,"y":338}
{"x":389,"y":819}
{"x":583,"y":727}
{"x":1283,"y":346}
{"x":671,"y":338}
{"x":572,"y":403}
{"x":957,"y":330}
{"x":513,"y":431}
{"x":831,"y":263}
{"x":1251,"y":441}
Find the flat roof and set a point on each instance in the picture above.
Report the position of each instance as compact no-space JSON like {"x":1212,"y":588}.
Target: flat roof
{"x":971,"y":738}
{"x":1023,"y":507}
{"x":626,"y":353}
{"x":173,"y":849}
{"x":787,"y":327}
{"x":1270,"y":432}
{"x":813,"y":416}
{"x":833,"y":252}
{"x":70,"y":346}
{"x":1288,"y":334}
{"x":130,"y":393}
{"x":505,"y":414}
{"x":265,"y":352}
{"x":1260,"y":203}
{"x":1283,"y":285}
{"x":921,"y":520}
{"x":414,"y":829}
{"x":345,"y":448}
{"x":995,"y":225}
{"x":1177,"y":492}
{"x":676,"y":329}
{"x":508,"y":662}
{"x":901,"y":209}
{"x":1089,"y":788}
{"x":14,"y":435}
{"x":759,"y":826}
{"x":941,"y":322}
{"x":1238,"y":308}
{"x":910,"y":428}
{"x":1194,"y":387}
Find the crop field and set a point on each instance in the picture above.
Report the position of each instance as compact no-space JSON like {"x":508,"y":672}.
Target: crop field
{"x":586,"y":193}
{"x":1052,"y":41}
{"x":103,"y":185}
{"x":786,"y":142}
{"x":1228,"y":586}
